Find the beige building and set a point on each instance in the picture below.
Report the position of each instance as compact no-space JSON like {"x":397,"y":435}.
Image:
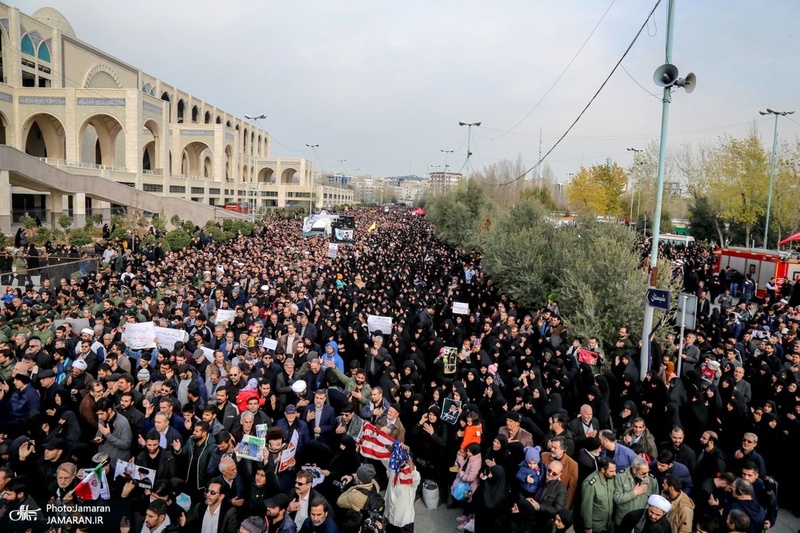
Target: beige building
{"x":88,"y":113}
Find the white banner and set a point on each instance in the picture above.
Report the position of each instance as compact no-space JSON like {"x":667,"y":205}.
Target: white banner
{"x":460,"y":308}
{"x":225,"y":315}
{"x":77,"y":324}
{"x":167,"y":337}
{"x":270,"y":344}
{"x":382,"y":323}
{"x":209,"y":353}
{"x":139,"y":336}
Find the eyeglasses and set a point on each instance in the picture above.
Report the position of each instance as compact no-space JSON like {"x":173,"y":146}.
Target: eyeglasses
{"x":552,"y":473}
{"x":299,"y":483}
{"x":212,"y":492}
{"x":749,"y":441}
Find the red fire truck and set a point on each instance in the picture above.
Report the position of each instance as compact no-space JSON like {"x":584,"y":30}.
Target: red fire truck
{"x":759,"y":263}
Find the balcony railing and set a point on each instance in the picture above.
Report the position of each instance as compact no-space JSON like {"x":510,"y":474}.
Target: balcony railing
{"x":75,"y":164}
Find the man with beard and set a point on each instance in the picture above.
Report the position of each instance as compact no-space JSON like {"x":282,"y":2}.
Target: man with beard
{"x":156,"y":458}
{"x":319,"y":519}
{"x":652,"y":519}
{"x":21,"y":512}
{"x":278,"y":522}
{"x":66,"y":480}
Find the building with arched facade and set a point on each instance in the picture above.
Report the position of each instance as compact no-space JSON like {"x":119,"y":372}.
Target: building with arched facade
{"x":86,"y":112}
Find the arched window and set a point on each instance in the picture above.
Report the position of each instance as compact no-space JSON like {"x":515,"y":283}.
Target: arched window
{"x":44,"y":52}
{"x":27,"y":46}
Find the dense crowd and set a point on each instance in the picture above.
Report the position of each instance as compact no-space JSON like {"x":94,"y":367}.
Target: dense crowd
{"x":299,"y":414}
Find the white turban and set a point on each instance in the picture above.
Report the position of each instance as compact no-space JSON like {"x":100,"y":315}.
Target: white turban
{"x":659,"y":502}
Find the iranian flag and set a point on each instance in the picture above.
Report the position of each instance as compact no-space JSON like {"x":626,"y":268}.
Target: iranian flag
{"x":94,"y":485}
{"x":373,"y":443}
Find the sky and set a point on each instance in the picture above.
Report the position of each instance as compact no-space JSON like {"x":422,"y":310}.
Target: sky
{"x":385,"y":84}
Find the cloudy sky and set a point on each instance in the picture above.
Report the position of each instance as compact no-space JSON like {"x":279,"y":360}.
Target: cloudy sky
{"x":384,"y":84}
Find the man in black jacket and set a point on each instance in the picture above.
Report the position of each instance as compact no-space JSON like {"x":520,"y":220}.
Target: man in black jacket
{"x":215,"y":507}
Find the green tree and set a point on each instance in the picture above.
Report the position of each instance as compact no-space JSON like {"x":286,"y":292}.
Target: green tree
{"x":178,"y":239}
{"x":80,"y":237}
{"x":739,"y":179}
{"x":525,"y":254}
{"x":65,"y":221}
{"x":704,"y":223}
{"x":598,"y":189}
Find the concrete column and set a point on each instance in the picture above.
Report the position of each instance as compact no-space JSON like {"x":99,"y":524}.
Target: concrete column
{"x":54,"y":204}
{"x":79,"y":210}
{"x":5,"y":202}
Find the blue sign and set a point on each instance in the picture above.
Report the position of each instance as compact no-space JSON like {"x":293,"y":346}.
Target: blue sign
{"x":658,"y":298}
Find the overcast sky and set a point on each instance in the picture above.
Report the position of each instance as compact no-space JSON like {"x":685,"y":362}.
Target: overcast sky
{"x":384,"y":84}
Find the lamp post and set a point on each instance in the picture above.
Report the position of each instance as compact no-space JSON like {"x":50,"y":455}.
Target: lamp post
{"x":772,"y":165}
{"x":469,"y":137}
{"x":252,"y":201}
{"x":311,"y":194}
{"x":341,"y":163}
{"x":635,"y":157}
{"x":445,"y":152}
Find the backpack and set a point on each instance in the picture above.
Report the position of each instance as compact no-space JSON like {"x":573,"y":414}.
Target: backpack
{"x":770,"y":499}
{"x":374,"y":511}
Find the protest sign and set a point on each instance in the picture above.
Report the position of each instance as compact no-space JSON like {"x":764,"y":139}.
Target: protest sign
{"x":450,"y":356}
{"x":167,"y":337}
{"x":225,"y":315}
{"x":460,"y":308}
{"x":287,"y":459}
{"x":270,"y":344}
{"x":333,"y":249}
{"x":251,"y":447}
{"x":379,"y":323}
{"x":139,"y":336}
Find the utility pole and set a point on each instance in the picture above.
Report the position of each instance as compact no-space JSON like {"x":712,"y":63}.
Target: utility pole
{"x":444,"y":181}
{"x":772,"y":166}
{"x":469,"y":138}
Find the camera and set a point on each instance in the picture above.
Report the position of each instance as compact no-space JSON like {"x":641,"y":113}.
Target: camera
{"x":341,"y":485}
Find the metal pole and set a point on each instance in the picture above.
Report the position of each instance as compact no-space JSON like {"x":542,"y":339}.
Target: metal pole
{"x":771,"y":179}
{"x":662,"y":153}
{"x":682,"y":298}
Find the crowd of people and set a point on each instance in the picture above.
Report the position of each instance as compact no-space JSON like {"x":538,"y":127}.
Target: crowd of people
{"x":299,"y":414}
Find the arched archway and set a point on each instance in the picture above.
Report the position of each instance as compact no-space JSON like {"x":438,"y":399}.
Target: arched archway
{"x":258,"y":146}
{"x":181,"y":110}
{"x":207,"y":117}
{"x":244,"y":141}
{"x":266,"y":175}
{"x":5,"y":132}
{"x":44,"y":137}
{"x":149,"y":156}
{"x":193,"y":159}
{"x":166,"y":98}
{"x":102,"y":140}
{"x":219,"y":119}
{"x":228,"y":163}
{"x":245,"y":174}
{"x":290,"y":176}
{"x":154,"y":150}
{"x":207,"y":167}
{"x":195,"y":114}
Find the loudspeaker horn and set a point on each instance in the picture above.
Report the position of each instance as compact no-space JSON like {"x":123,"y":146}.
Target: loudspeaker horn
{"x":689,"y":83}
{"x":666,"y":75}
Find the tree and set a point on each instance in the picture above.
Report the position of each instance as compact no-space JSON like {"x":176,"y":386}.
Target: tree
{"x":500,"y":181}
{"x":739,"y":179}
{"x":598,"y":189}
{"x":541,"y":195}
{"x":525,"y":253}
{"x":65,"y":221}
{"x":704,"y":223}
{"x":784,"y":215}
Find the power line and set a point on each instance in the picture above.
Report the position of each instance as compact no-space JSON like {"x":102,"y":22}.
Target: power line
{"x":560,"y":75}
{"x":602,"y":86}
{"x":639,"y":84}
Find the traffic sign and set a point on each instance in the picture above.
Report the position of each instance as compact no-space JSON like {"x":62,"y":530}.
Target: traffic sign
{"x":658,"y":298}
{"x":687,"y":309}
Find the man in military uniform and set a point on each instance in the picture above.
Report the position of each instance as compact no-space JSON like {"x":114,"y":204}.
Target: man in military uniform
{"x":597,"y":502}
{"x":632,"y":487}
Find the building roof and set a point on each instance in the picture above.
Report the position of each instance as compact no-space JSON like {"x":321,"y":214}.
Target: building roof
{"x":54,"y":18}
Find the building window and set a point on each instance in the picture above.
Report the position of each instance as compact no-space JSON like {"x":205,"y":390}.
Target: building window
{"x":152,"y":187}
{"x":198,"y":190}
{"x":127,"y":184}
{"x":213,"y":191}
{"x":44,"y":52}
{"x":27,"y":46}
{"x":28,"y":79}
{"x":177,"y":189}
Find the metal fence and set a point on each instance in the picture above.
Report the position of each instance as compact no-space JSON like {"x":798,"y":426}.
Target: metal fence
{"x":65,"y":268}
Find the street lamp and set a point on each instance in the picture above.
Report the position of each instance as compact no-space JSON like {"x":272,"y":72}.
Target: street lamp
{"x":772,"y":164}
{"x":341,"y":179}
{"x":311,"y":194}
{"x":469,"y":136}
{"x":635,"y":156}
{"x":255,"y":117}
{"x":445,"y":152}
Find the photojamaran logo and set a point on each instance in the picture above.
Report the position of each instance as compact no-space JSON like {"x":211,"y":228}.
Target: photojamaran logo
{"x":24,"y":513}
